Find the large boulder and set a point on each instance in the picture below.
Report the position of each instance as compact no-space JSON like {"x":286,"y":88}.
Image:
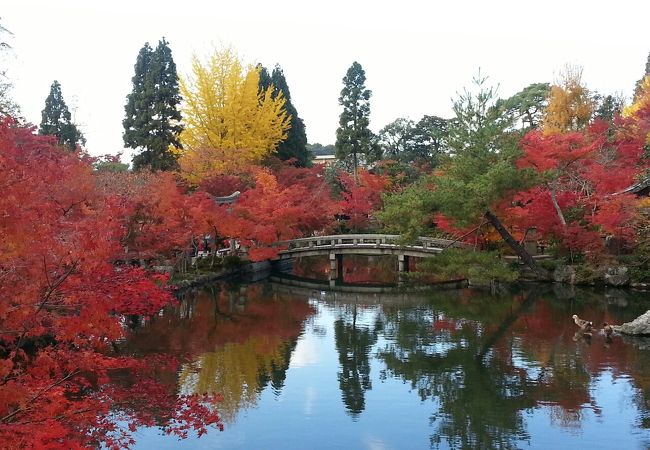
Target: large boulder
{"x":638,"y":327}
{"x":617,"y":276}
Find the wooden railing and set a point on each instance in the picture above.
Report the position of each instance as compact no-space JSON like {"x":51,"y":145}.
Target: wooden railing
{"x":425,"y":244}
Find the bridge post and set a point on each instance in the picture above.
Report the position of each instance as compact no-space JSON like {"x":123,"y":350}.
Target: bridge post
{"x":402,"y":267}
{"x":336,"y":267}
{"x":402,"y":263}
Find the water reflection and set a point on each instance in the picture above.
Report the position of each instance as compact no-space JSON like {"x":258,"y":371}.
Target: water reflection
{"x":486,"y":370}
{"x":353,"y":344}
{"x":358,"y":269}
{"x":239,"y":341}
{"x":501,"y":357}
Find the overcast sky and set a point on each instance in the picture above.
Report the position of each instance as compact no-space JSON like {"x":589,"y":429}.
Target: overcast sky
{"x":416,"y":54}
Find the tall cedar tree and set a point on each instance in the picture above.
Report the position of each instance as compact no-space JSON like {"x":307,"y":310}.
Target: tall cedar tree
{"x":56,"y":120}
{"x":481,"y":171}
{"x":353,"y":137}
{"x":295,"y":145}
{"x":152,"y":122}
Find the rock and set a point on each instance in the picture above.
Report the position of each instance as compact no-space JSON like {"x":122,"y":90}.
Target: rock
{"x":617,"y":276}
{"x":638,"y":327}
{"x":564,"y":274}
{"x":164,"y":269}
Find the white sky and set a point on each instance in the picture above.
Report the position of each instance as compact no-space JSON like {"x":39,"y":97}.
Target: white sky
{"x":416,"y":54}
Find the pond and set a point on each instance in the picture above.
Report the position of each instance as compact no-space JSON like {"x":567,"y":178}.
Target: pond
{"x":304,"y":369}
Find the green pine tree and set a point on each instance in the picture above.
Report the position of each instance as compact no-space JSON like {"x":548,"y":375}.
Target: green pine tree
{"x":152,"y":122}
{"x":56,"y":120}
{"x":353,"y":137}
{"x":294,"y":147}
{"x":480,"y":170}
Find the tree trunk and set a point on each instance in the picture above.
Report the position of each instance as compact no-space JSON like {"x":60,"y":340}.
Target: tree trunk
{"x":557,"y":206}
{"x":514,"y":245}
{"x":505,"y":325}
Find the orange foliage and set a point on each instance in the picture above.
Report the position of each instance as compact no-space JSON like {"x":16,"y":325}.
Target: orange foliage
{"x":294,"y":203}
{"x":586,"y":174}
{"x":159,"y":217}
{"x":362,"y":197}
{"x":62,"y":303}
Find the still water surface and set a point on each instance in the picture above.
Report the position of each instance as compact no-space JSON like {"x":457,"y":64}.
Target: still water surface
{"x":303,"y":369}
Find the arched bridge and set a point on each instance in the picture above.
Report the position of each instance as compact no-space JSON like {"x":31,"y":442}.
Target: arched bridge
{"x":336,"y":246}
{"x":365,"y":244}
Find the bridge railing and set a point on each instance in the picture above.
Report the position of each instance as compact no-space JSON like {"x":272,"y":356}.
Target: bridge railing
{"x":367,"y":240}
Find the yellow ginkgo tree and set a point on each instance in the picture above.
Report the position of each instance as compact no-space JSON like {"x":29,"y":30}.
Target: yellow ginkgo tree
{"x":230,"y":123}
{"x":570,"y":104}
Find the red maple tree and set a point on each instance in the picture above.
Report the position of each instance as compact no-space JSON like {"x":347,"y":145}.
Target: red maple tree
{"x":63,"y":302}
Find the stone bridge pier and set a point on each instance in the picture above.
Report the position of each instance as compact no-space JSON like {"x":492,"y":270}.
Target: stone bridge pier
{"x":336,"y":267}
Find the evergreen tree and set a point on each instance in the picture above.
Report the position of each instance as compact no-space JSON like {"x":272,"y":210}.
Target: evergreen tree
{"x":152,"y":122}
{"x":265,"y":79}
{"x":295,"y":145}
{"x":353,"y":137}
{"x":527,"y":106}
{"x":608,"y":107}
{"x":409,"y":142}
{"x":480,"y":170}
{"x":56,"y":120}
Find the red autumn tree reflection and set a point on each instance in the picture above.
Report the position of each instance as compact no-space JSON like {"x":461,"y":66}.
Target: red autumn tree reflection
{"x":236,"y":341}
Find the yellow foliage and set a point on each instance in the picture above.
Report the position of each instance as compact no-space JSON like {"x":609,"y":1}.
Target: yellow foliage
{"x":642,"y":99}
{"x":644,"y":203}
{"x":569,"y":104}
{"x":229,"y":123}
{"x":233,"y":371}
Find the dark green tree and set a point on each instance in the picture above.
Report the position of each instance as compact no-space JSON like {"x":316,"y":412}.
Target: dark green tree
{"x":431,"y":136}
{"x":152,"y":123}
{"x":56,"y":120}
{"x":397,"y":140}
{"x":265,"y":78}
{"x":294,"y":147}
{"x":607,"y":107}
{"x":527,"y":106}
{"x":354,"y":139}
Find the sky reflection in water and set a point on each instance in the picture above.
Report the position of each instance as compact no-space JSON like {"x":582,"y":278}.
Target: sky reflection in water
{"x":301,"y":369}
